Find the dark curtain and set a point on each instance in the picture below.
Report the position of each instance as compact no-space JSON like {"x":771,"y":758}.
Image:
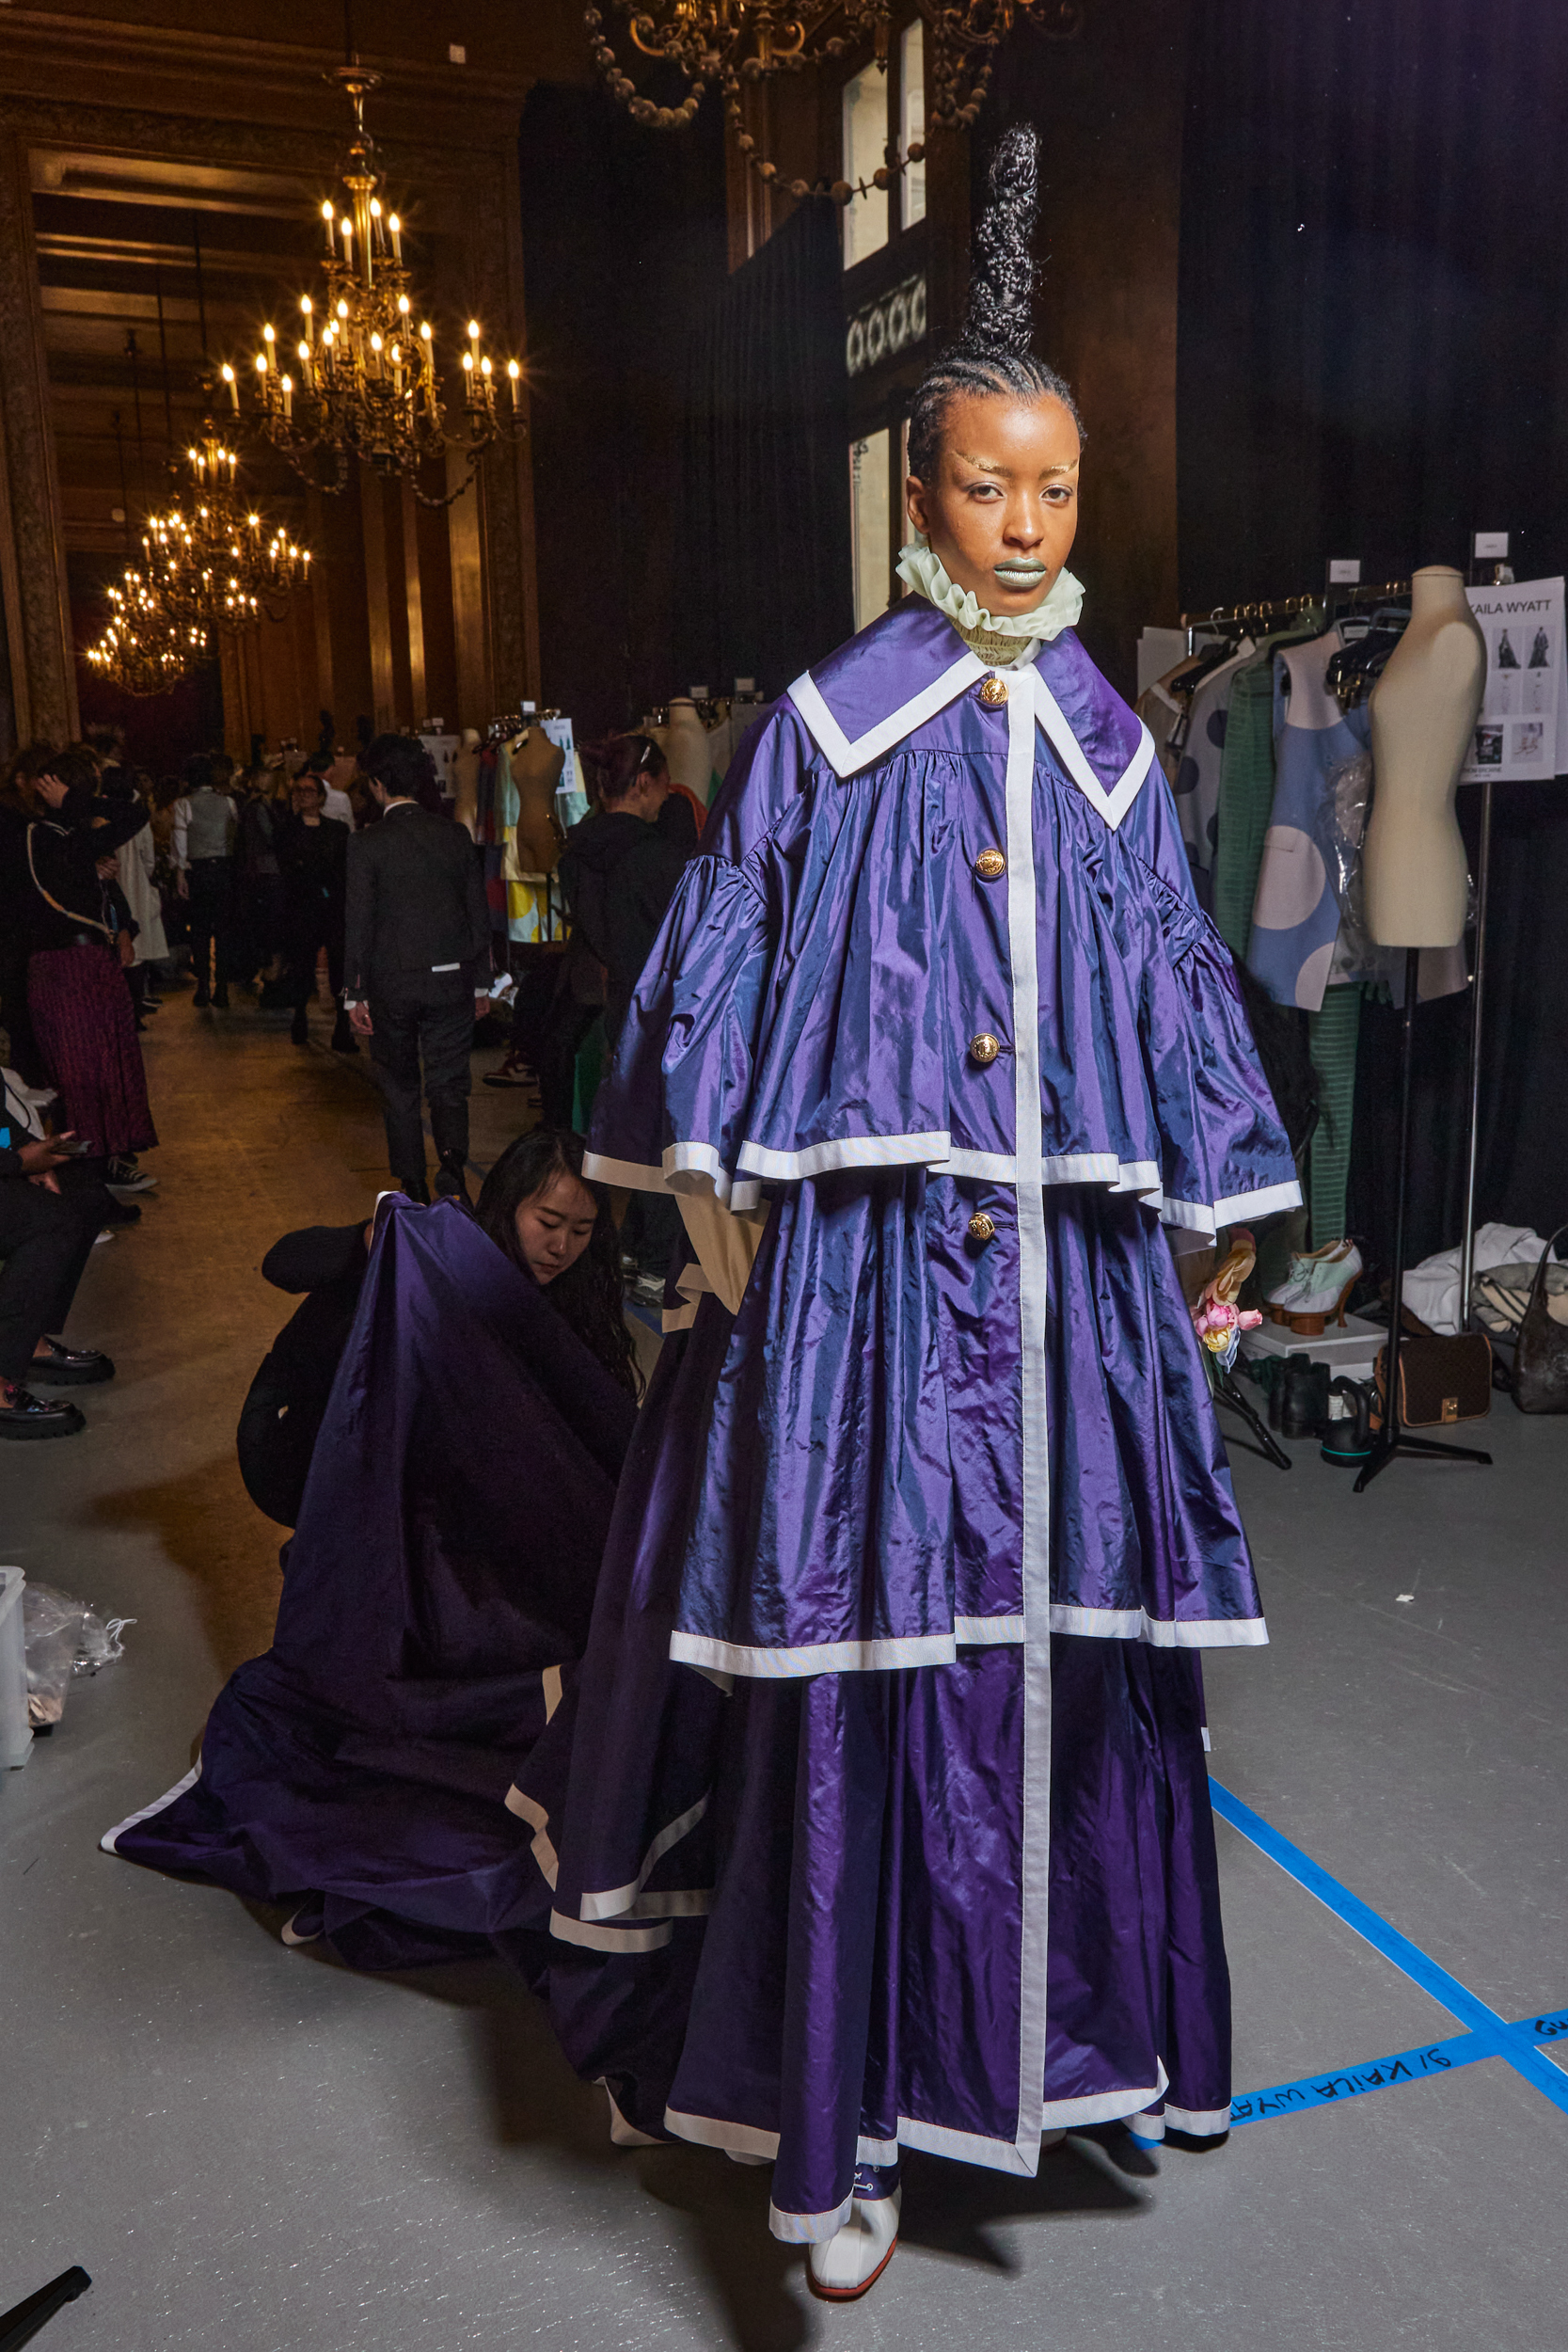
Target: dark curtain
{"x":625,"y":245}
{"x":1373,"y":328}
{"x":765,"y":581}
{"x":1372,"y":346}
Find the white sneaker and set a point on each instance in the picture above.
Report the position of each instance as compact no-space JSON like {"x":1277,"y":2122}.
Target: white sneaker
{"x":854,"y":2258}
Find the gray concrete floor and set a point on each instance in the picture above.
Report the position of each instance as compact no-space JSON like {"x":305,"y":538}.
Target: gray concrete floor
{"x":250,"y":2147}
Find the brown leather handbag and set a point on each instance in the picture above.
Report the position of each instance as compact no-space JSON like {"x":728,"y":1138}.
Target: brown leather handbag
{"x":1442,"y":1379}
{"x":1541,"y":1357}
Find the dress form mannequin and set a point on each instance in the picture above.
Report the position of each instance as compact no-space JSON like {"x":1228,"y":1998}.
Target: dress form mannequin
{"x":536,"y":765}
{"x":465,"y":778}
{"x":686,"y":749}
{"x":1423,"y":713}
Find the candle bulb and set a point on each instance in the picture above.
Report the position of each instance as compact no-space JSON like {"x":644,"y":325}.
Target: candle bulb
{"x":309,"y":312}
{"x":230,"y":380}
{"x":514,"y":372}
{"x":331,"y":244}
{"x":396,"y":227}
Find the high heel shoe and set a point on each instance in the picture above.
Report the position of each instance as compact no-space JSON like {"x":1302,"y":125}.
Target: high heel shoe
{"x":1319,"y":1283}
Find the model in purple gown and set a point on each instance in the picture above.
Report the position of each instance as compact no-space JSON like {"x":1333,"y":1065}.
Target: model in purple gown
{"x":878,"y":1817}
{"x":436,"y":1594}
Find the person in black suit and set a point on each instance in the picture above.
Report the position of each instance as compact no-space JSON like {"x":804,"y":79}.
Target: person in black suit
{"x":416,"y":961}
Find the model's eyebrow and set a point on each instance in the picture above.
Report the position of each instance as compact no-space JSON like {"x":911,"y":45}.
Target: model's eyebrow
{"x":1006,"y":474}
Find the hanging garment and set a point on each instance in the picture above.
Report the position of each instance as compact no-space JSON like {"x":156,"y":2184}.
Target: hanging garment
{"x":1295,"y":913}
{"x":1332,"y":1032}
{"x":1197,"y":775}
{"x":890,"y":1682}
{"x":1246,"y":794}
{"x":438,"y":1589}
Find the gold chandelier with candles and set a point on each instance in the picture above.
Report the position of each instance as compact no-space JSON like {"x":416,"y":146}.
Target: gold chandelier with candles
{"x":142,"y":651}
{"x":359,"y":378}
{"x":732,"y":45}
{"x":211,"y":560}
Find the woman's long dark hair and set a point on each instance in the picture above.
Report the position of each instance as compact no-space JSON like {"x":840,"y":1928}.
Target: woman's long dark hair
{"x":588,"y":1297}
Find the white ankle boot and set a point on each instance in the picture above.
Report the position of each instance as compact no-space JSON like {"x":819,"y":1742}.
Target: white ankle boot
{"x":843,"y":2265}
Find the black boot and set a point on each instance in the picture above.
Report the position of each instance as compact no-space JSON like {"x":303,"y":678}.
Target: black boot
{"x":1305,"y":1410}
{"x":220,"y":996}
{"x":202,"y":1000}
{"x":344,"y":1039}
{"x":299,"y":1033}
{"x":415,"y":1189}
{"x":451,"y":1183}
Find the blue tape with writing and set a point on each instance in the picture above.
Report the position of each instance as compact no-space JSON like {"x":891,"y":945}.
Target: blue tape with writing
{"x":1523,"y":2046}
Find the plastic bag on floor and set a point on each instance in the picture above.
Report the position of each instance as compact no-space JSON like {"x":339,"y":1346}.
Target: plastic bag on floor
{"x":63,"y":1637}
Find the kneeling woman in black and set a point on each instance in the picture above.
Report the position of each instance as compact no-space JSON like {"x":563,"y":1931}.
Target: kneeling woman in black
{"x":440,"y":1583}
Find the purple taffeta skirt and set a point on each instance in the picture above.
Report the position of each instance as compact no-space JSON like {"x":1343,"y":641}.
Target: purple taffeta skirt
{"x":825,"y":1956}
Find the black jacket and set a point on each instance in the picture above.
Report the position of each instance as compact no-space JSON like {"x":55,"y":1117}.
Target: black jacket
{"x":313,"y":861}
{"x":65,"y":899}
{"x":416,"y":902}
{"x":288,"y":1399}
{"x":619,"y":874}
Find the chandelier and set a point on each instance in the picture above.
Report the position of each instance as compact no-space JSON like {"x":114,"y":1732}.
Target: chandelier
{"x":142,"y":651}
{"x":210,"y":560}
{"x":731,"y":45}
{"x":359,"y":379}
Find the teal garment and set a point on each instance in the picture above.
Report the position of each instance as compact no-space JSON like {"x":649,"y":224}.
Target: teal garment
{"x":1331,"y":1033}
{"x":1247,"y":792}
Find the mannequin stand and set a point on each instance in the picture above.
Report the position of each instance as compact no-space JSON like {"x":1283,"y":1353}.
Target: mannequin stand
{"x":1392,"y":1439}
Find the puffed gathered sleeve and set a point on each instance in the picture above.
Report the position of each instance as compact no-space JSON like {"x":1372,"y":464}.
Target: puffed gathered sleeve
{"x":1225,"y":1158}
{"x":673,"y":1109}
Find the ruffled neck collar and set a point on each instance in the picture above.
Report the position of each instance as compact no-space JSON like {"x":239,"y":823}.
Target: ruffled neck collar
{"x":927,"y":575}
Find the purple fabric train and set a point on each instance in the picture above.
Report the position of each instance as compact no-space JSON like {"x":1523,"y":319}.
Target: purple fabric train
{"x":876,"y":1815}
{"x":440,"y":1579}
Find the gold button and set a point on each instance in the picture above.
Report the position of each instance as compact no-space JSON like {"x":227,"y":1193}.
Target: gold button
{"x":984,"y":1049}
{"x":990,"y":864}
{"x":993,"y":694}
{"x":981,"y":1227}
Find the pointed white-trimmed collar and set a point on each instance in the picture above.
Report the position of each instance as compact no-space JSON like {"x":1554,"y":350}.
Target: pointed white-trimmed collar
{"x":916,"y":649}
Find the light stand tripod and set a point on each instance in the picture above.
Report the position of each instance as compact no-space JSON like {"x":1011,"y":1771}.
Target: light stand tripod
{"x":1392,"y":1439}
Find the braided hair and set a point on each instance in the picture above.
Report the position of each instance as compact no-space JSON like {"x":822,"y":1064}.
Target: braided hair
{"x":993,"y":355}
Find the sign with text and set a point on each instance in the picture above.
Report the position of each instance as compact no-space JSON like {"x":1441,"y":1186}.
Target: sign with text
{"x":1521,"y":734}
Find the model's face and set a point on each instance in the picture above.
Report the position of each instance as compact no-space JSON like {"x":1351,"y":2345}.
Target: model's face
{"x":555,"y":1225}
{"x":1002,"y":510}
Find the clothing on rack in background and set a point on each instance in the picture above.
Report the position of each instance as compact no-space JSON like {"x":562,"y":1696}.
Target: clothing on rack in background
{"x":1196,"y":784}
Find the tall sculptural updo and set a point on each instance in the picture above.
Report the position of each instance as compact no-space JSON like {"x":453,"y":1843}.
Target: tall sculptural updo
{"x":993,"y":355}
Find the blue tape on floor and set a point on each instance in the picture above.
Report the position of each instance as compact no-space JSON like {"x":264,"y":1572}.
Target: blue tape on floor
{"x":1489,"y":2036}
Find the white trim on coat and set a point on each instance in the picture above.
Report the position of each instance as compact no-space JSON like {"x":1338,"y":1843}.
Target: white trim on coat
{"x":846,"y":757}
{"x":1034,"y":1477}
{"x":1112,"y":805}
{"x":159,"y":1805}
{"x":599,"y":1939}
{"x":1137,"y":1624}
{"x":616,"y":1901}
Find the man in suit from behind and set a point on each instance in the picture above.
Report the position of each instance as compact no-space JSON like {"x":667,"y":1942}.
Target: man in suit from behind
{"x":416,"y":961}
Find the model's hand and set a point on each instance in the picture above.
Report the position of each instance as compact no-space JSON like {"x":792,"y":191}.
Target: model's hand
{"x":127,"y":953}
{"x":360,"y":1019}
{"x":182,"y":884}
{"x":481,"y":1004}
{"x":106,"y":868}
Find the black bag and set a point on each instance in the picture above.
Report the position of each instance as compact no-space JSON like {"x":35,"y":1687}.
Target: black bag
{"x":1540,"y":1356}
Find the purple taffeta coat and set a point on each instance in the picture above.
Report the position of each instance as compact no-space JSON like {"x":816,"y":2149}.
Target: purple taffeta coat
{"x":438,"y":1589}
{"x":888,"y":1794}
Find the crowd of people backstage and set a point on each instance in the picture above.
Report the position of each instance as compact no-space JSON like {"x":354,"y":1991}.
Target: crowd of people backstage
{"x":115,"y":889}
